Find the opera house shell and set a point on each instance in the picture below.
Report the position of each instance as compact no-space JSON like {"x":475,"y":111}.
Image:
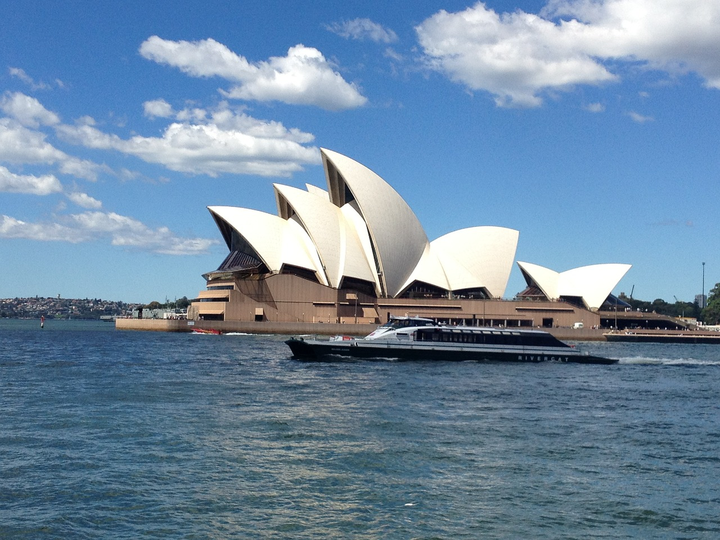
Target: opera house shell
{"x":589,"y":285}
{"x":356,"y":252}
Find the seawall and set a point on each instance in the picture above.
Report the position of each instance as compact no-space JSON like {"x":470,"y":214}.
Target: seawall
{"x":265,"y":327}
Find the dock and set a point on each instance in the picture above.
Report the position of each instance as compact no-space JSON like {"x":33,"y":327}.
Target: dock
{"x":664,"y":336}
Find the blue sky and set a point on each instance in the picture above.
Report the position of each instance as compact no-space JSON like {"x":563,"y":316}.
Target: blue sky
{"x":593,"y":128}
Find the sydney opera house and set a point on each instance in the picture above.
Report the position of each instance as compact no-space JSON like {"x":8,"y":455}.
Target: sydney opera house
{"x":356,"y":253}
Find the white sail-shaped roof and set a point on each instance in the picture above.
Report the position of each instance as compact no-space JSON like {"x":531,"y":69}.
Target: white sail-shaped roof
{"x":486,"y":255}
{"x":320,"y":192}
{"x":397,"y":237}
{"x":473,"y":258}
{"x":355,"y":221}
{"x":274,"y":240}
{"x":360,"y":229}
{"x":543,"y":278}
{"x":595,"y":282}
{"x":592,"y":283}
{"x":338,"y":246}
{"x":429,"y":270}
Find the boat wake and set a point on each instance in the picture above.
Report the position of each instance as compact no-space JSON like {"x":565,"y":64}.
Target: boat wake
{"x":646,"y":360}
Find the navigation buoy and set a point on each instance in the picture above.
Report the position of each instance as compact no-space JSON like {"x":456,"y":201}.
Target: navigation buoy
{"x":42,"y":321}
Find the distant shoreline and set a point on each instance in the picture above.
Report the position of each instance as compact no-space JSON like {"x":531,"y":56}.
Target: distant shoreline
{"x":58,"y":308}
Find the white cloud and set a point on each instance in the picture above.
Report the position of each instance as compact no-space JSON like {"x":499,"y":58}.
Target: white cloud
{"x":205,"y":58}
{"x":516,"y":56}
{"x":392,"y":54}
{"x":227,"y":119}
{"x":93,"y":226}
{"x":27,"y":79}
{"x":199,"y":141}
{"x":81,"y":168}
{"x":50,"y":232}
{"x":303,"y":77}
{"x":27,"y":110}
{"x":672,"y":35}
{"x":126,"y":231}
{"x":226,"y":142}
{"x":158,"y":108}
{"x":20,"y":145}
{"x":89,"y":136}
{"x":595,"y":107}
{"x":362,"y":29}
{"x":195,"y":114}
{"x":85,"y":120}
{"x":512,"y":56}
{"x":127,"y":175}
{"x":84,"y":200}
{"x":33,"y":185}
{"x":639,"y":118}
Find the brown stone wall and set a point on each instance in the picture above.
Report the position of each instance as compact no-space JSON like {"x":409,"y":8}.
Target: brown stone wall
{"x":291,"y":299}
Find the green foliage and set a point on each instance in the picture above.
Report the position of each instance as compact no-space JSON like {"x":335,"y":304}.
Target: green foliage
{"x":660,"y":306}
{"x":714,"y":293}
{"x":711,"y":314}
{"x":180,"y":303}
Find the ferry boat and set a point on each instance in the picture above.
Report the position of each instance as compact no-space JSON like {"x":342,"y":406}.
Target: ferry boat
{"x":416,"y":338}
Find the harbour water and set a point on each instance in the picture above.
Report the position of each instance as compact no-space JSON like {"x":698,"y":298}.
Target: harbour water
{"x":109,"y":434}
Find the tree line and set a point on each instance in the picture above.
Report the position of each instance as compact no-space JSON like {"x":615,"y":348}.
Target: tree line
{"x":709,"y":315}
{"x":180,"y":303}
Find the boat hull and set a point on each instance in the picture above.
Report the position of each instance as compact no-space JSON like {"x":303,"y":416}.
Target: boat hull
{"x":324,"y":350}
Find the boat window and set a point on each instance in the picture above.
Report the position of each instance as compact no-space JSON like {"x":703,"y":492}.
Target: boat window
{"x":395,"y":324}
{"x":427,"y":335}
{"x":493,"y":337}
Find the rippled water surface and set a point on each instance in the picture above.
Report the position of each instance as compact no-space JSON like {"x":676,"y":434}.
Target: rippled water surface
{"x":109,"y":434}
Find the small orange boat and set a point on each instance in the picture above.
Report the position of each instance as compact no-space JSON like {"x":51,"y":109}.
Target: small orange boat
{"x":206,"y":331}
